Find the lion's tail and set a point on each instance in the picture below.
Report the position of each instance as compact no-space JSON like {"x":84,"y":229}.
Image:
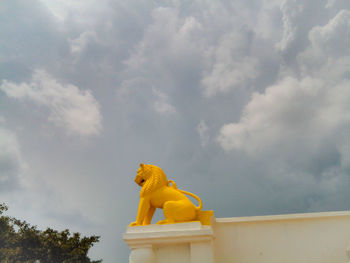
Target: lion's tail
{"x":199,"y":207}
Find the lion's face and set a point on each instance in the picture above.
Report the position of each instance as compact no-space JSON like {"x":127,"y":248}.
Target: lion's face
{"x":139,"y":179}
{"x":150,"y":177}
{"x":143,"y":174}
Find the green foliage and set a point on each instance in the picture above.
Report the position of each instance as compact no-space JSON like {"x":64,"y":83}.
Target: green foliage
{"x":22,"y":243}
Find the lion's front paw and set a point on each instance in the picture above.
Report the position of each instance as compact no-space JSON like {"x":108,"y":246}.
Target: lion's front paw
{"x":134,"y":224}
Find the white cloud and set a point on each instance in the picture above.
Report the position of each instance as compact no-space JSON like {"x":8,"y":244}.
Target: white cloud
{"x":79,"y":44}
{"x":298,"y":18}
{"x":335,"y":34}
{"x":189,"y":26}
{"x":328,"y":43}
{"x":300,"y":116}
{"x":284,"y":110}
{"x":328,"y":55}
{"x":267,"y":25}
{"x":83,"y":12}
{"x":292,"y":11}
{"x":162,"y":105}
{"x":167,"y":41}
{"x":73,"y":109}
{"x":232,"y":67}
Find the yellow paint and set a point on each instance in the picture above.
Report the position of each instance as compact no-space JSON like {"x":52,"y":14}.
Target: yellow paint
{"x":205,"y":217}
{"x":158,"y":192}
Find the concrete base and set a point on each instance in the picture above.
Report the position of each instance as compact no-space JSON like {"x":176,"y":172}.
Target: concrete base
{"x":173,"y":243}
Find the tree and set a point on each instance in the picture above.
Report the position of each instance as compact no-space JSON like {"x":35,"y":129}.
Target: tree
{"x":22,"y":243}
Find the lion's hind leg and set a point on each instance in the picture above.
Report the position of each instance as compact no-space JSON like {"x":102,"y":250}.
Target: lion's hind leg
{"x":178,"y":211}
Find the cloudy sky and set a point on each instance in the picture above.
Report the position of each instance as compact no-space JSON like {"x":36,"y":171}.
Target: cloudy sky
{"x":245,"y":103}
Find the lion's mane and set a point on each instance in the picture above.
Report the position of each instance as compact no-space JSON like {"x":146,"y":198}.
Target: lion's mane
{"x":154,"y":177}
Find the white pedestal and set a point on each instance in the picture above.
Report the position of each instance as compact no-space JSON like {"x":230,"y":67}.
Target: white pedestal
{"x":172,"y":243}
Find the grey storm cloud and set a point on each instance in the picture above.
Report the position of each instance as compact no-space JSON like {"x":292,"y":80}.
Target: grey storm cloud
{"x":11,"y":163}
{"x":245,"y":103}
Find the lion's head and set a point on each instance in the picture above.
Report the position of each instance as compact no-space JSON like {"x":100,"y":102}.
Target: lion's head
{"x":150,"y":178}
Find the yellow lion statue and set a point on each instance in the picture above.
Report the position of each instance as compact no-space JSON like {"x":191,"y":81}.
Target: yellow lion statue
{"x":158,"y":192}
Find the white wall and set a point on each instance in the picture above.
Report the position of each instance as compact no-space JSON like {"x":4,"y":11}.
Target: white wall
{"x":173,"y":254}
{"x":297,"y":238}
